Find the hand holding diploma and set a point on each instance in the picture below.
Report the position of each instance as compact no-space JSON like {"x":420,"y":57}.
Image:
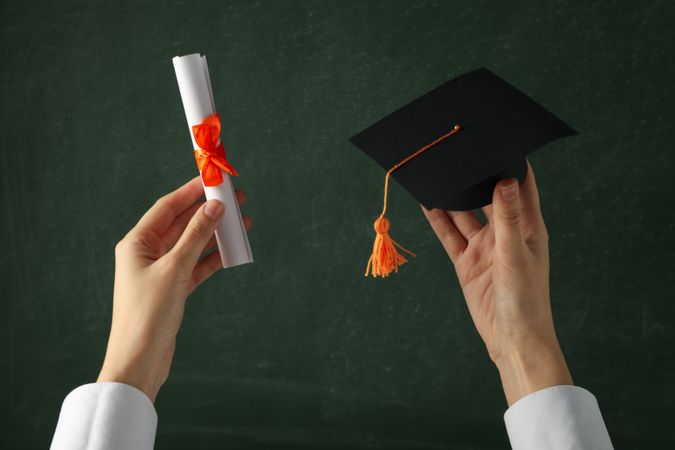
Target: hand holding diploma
{"x":158,"y":264}
{"x":166,"y":255}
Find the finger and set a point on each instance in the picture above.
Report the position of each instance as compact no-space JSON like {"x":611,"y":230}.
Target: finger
{"x":213,"y":242}
{"x":210,"y":246}
{"x":529,"y":197}
{"x":450,"y":237}
{"x":507,"y":218}
{"x":209,"y":265}
{"x":197,"y":233}
{"x":175,"y":230}
{"x":160,"y":216}
{"x":466,"y":222}
{"x":487,"y":210}
{"x":177,"y":227}
{"x":241,"y":197}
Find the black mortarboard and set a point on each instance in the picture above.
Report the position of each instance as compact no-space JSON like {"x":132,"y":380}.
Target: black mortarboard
{"x":499,"y":124}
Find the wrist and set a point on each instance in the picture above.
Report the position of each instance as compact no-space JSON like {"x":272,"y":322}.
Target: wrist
{"x":137,"y":370}
{"x":527,"y":369}
{"x":130,"y":378}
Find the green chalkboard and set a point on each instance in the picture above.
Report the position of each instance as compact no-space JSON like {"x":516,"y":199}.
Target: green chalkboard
{"x":299,"y":350}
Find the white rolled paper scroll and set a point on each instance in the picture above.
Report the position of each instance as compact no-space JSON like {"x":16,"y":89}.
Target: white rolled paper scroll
{"x":194,"y":83}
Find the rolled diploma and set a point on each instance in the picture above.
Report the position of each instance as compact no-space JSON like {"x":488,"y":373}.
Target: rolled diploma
{"x":194,"y":83}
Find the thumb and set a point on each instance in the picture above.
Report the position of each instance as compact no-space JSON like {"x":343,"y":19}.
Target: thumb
{"x":507,"y":218}
{"x":198,"y":232}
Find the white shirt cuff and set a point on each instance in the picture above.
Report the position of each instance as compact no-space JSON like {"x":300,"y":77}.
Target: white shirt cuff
{"x":559,"y":417}
{"x":106,"y":416}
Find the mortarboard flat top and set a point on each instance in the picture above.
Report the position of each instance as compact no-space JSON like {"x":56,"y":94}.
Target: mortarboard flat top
{"x":500,"y":125}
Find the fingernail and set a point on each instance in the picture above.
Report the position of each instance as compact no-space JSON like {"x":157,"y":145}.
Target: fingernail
{"x":510,"y":191}
{"x":213,"y":209}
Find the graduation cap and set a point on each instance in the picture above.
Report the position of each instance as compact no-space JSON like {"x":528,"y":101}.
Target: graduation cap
{"x":450,"y":147}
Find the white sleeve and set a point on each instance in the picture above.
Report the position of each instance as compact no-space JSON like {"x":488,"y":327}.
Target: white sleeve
{"x":106,"y":416}
{"x":559,"y":417}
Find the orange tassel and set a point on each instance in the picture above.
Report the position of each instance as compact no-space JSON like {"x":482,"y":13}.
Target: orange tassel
{"x":385,"y":258}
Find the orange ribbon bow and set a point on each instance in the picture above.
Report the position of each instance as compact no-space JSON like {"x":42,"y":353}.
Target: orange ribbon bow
{"x":210,"y":155}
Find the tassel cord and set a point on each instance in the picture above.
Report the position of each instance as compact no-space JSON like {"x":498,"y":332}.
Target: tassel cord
{"x":385,"y":258}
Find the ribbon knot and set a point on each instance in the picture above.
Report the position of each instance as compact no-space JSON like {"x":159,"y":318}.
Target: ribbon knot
{"x":210,"y":155}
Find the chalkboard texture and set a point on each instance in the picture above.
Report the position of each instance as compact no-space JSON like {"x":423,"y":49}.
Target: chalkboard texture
{"x":299,"y":350}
